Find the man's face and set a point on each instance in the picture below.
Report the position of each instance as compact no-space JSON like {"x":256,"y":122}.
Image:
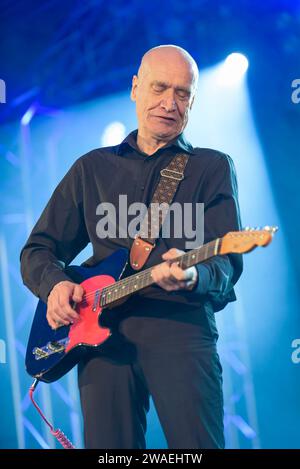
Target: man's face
{"x":164,"y":95}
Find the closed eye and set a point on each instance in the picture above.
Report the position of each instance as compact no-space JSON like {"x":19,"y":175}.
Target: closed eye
{"x":183,"y":94}
{"x":158,"y":88}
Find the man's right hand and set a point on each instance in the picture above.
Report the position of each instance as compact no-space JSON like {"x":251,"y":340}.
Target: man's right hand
{"x":59,"y":310}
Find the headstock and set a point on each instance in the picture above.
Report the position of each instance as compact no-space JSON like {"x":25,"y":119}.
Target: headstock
{"x":247,"y":239}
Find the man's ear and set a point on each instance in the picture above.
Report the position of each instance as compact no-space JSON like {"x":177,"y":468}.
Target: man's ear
{"x":134,"y":87}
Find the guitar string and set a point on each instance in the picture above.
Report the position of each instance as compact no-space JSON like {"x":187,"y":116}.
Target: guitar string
{"x":123,"y":282}
{"x":132,"y":279}
{"x":143,"y":274}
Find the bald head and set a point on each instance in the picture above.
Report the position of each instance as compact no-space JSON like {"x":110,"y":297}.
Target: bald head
{"x":169,"y":54}
{"x":164,"y":91}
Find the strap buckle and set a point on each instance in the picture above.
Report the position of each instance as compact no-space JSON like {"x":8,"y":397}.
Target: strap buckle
{"x":176,"y":174}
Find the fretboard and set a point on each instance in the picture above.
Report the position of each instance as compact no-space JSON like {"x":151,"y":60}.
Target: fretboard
{"x":143,"y":279}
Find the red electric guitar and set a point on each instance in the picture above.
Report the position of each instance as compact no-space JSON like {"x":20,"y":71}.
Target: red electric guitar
{"x":52,"y":353}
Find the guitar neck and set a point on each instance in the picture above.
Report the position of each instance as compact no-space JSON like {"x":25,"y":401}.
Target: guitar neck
{"x":143,"y":279}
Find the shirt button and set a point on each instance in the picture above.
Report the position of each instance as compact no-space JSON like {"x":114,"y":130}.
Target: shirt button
{"x":142,"y":188}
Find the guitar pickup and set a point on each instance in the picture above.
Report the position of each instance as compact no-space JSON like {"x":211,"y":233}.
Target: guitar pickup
{"x":96,"y":303}
{"x":55,"y":347}
{"x":39,"y":353}
{"x":51,"y":348}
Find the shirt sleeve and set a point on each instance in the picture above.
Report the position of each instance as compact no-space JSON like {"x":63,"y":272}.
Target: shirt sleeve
{"x":58,"y":236}
{"x":218,"y":275}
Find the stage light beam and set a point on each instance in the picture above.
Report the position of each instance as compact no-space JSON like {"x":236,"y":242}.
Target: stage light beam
{"x":113,"y":134}
{"x":233,"y":69}
{"x":29,"y":114}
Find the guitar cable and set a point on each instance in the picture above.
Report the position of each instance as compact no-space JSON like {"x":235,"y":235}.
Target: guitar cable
{"x":58,"y":434}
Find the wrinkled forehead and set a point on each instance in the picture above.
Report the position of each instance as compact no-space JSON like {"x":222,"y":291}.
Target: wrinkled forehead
{"x":169,"y":70}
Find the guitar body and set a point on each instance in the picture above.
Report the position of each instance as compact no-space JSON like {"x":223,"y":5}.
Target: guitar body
{"x":52,"y":353}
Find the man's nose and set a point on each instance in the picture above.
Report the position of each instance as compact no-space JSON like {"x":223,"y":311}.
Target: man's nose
{"x":168,"y":102}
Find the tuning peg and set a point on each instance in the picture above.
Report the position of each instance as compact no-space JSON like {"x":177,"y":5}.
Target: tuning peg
{"x":272,"y":229}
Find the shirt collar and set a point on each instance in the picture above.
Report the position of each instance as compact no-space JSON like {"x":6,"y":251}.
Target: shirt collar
{"x":180,"y":142}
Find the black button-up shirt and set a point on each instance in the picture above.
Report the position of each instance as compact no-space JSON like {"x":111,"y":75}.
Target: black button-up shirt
{"x":69,"y":221}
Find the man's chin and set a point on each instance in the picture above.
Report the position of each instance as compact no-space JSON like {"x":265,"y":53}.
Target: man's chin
{"x":165,"y":132}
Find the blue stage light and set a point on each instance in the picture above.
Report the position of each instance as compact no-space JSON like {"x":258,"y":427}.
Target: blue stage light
{"x":113,"y":134}
{"x":29,"y":114}
{"x":234,"y":68}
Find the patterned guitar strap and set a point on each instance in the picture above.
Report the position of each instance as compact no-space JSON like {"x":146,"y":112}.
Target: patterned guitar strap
{"x":170,"y":178}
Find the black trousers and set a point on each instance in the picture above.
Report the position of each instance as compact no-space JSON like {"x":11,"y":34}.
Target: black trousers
{"x":174,"y":362}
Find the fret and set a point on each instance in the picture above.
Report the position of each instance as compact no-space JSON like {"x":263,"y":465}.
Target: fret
{"x":206,"y":251}
{"x":112,"y":293}
{"x":216,"y":249}
{"x":212,"y":249}
{"x":193,"y":257}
